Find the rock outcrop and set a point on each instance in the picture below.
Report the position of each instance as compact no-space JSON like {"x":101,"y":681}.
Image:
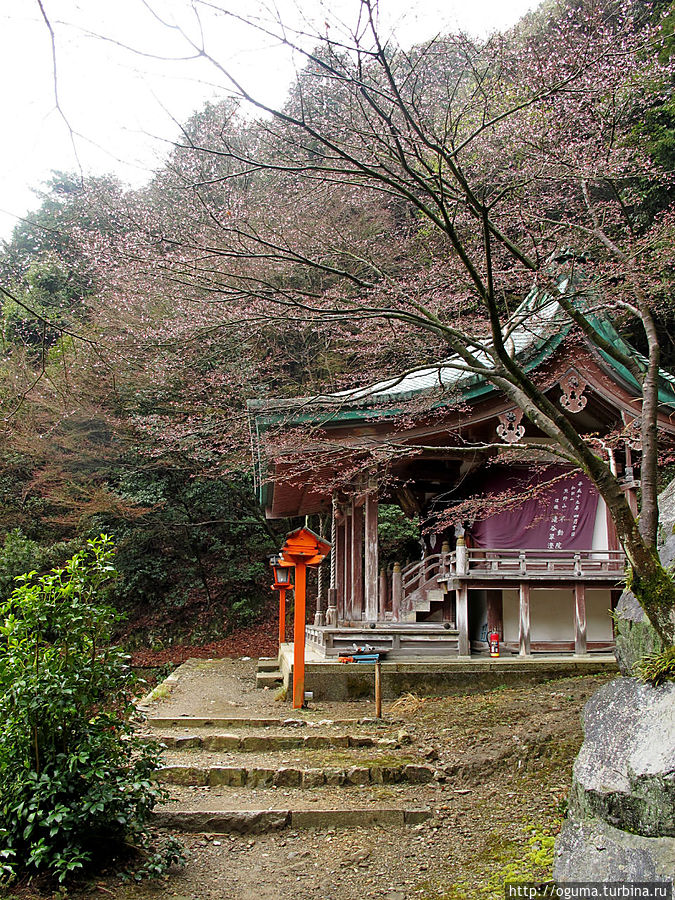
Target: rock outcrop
{"x":591,"y":850}
{"x":634,"y":635}
{"x":621,"y":823}
{"x":667,"y":511}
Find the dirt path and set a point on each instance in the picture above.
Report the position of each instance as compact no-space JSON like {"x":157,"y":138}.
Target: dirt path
{"x":503,"y":761}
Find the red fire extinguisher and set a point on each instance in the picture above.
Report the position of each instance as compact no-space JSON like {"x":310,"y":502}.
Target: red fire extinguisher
{"x":493,"y":639}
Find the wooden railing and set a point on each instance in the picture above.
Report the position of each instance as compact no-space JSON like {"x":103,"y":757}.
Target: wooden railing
{"x":517,"y":564}
{"x":507,"y":564}
{"x":439,"y":568}
{"x":415,"y":575}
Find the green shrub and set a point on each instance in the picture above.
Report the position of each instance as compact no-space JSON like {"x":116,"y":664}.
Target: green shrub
{"x":74,"y":781}
{"x":20,"y":554}
{"x":399,"y":536}
{"x":656,"y":668}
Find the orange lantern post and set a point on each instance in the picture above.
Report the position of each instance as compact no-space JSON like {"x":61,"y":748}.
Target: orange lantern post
{"x":302,"y":548}
{"x":282,"y":583}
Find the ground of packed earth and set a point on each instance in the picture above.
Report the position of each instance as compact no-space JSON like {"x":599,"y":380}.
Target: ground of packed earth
{"x":501,"y":762}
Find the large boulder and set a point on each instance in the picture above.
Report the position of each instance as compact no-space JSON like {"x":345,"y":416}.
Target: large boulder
{"x":594,"y":851}
{"x":622,"y":804}
{"x":667,"y":511}
{"x":625,"y":770}
{"x":667,"y":551}
{"x":634,"y":636}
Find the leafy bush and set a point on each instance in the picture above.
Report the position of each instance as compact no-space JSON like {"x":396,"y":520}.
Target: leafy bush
{"x":74,"y":781}
{"x":656,"y":668}
{"x":20,"y":554}
{"x":399,"y":536}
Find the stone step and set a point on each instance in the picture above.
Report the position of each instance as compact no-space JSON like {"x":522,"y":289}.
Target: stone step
{"x":264,"y":743}
{"x":269,"y":679}
{"x":257,"y":821}
{"x":296,"y":776}
{"x":268,"y":665}
{"x":263,"y":722}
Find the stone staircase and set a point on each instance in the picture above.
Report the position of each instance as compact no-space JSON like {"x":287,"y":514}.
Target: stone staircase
{"x":253,"y":775}
{"x":423,"y":584}
{"x":268,"y":674}
{"x":422,"y":599}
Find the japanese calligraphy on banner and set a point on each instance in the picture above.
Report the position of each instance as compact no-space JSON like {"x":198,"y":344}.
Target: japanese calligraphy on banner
{"x":560,"y":516}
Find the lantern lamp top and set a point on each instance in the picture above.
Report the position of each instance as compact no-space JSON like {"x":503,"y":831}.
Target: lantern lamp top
{"x":304,"y":545}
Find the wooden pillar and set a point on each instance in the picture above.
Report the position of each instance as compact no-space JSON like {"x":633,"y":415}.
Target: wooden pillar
{"x":384,"y":594}
{"x":613,"y":542}
{"x":330,"y":618}
{"x":450,"y":608}
{"x":339,"y":550}
{"x":629,"y":487}
{"x":615,"y":597}
{"x":371,"y":558}
{"x":524,"y":629}
{"x":495,"y":613}
{"x":348,"y":563}
{"x":463,"y":619}
{"x":580,"y":648}
{"x":357,"y":562}
{"x":396,"y":593}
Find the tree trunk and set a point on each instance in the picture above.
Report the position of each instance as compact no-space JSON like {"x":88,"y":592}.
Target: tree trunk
{"x":649,"y":507}
{"x":653,"y":587}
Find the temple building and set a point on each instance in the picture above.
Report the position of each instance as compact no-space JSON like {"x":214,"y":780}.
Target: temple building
{"x":538,"y":563}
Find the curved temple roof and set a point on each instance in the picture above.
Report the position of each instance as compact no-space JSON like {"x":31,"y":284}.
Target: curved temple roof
{"x":531,"y":334}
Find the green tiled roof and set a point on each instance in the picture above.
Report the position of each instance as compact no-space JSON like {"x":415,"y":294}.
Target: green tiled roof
{"x":535,"y":330}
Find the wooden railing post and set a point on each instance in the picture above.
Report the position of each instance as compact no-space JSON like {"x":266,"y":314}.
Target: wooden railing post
{"x":331,"y":611}
{"x":445,"y":558}
{"x":462,"y":561}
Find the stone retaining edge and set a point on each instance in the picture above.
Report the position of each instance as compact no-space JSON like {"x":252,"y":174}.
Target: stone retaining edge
{"x":289,"y":776}
{"x":270,"y":743}
{"x":229,"y":722}
{"x":258,"y":821}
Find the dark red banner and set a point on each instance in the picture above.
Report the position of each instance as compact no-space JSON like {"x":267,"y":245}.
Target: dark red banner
{"x":558,"y":516}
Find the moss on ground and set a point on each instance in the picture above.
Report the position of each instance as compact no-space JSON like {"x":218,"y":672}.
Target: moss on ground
{"x":504,"y":860}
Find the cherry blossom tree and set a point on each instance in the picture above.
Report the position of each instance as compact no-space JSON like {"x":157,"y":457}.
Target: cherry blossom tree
{"x":409,"y":198}
{"x":485,"y":167}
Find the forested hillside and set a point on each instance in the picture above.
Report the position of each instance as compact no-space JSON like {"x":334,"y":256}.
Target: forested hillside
{"x":263,"y":260}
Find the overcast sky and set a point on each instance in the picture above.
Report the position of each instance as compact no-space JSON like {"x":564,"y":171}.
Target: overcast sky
{"x":124,"y":106}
